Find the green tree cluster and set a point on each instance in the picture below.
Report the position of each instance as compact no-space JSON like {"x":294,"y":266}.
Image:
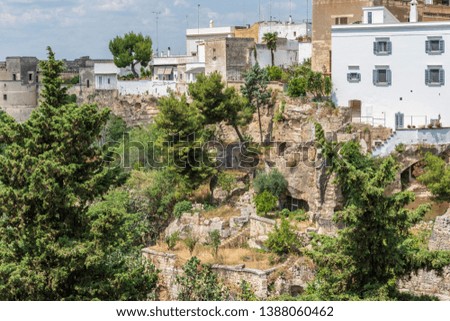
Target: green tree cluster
{"x":283,"y":239}
{"x":54,"y":244}
{"x":305,"y":81}
{"x":273,"y":182}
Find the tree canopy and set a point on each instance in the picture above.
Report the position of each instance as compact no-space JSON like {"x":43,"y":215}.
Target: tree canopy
{"x":130,"y":50}
{"x":436,"y":177}
{"x":53,"y":244}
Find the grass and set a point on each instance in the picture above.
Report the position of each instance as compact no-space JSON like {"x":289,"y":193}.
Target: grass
{"x":252,"y":258}
{"x":437,"y":208}
{"x":223,"y":212}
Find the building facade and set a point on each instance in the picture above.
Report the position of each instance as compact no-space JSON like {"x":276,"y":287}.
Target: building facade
{"x":398,"y":71}
{"x":327,"y":13}
{"x":19,"y":86}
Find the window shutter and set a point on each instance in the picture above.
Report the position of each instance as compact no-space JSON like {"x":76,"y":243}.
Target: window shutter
{"x":427,"y":46}
{"x":349,"y":78}
{"x":442,"y":77}
{"x":375,"y":47}
{"x":389,"y":77}
{"x":389,"y":47}
{"x":441,"y":46}
{"x":427,"y":76}
{"x":375,"y":77}
{"x":358,"y":77}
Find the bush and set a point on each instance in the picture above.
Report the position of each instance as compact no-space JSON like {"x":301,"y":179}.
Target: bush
{"x":278,"y":117}
{"x":226,"y":182}
{"x":171,"y":240}
{"x":274,"y":73}
{"x":273,"y":182}
{"x":190,"y":241}
{"x":247,"y":293}
{"x":400,"y":148}
{"x":265,"y":202}
{"x":199,"y":283}
{"x":297,"y":87}
{"x":181,"y":207}
{"x":75,"y":80}
{"x":214,"y":241}
{"x":283,"y":239}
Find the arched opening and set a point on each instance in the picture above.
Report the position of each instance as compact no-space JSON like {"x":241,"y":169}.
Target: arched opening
{"x":294,"y":204}
{"x":296,"y":290}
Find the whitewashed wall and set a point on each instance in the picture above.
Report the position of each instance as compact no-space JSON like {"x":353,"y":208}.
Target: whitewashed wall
{"x":304,"y":51}
{"x":283,"y":58}
{"x":352,"y":45}
{"x":146,"y":87}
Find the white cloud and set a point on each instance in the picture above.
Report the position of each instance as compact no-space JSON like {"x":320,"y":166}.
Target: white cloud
{"x":114,"y":5}
{"x":180,"y":3}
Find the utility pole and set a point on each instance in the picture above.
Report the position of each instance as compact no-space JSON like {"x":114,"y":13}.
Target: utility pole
{"x":198,"y":18}
{"x":259,"y":11}
{"x":157,"y":13}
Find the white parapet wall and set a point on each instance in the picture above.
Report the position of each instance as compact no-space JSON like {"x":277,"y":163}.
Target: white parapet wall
{"x":146,"y":87}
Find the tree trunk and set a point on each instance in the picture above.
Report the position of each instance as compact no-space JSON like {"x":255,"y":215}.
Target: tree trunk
{"x":134,"y":70}
{"x":273,"y":57}
{"x":241,"y":138}
{"x":260,"y":126}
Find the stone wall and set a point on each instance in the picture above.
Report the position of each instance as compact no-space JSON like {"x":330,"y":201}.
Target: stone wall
{"x":260,"y":228}
{"x":440,"y":236}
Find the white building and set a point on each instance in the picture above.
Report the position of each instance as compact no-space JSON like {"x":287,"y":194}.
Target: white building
{"x":196,"y":37}
{"x":288,"y":29}
{"x":393,"y":68}
{"x":105,"y":76}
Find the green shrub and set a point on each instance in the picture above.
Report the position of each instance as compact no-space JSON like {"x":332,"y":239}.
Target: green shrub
{"x":297,"y":87}
{"x":400,"y":148}
{"x":273,"y":182}
{"x":214,"y":241}
{"x":278,"y":117}
{"x":190,"y":241}
{"x":227,"y":182}
{"x":171,"y":240}
{"x":181,"y":207}
{"x":285,"y":213}
{"x":283,"y":239}
{"x":247,"y":293}
{"x":265,"y":202}
{"x":274,"y":73}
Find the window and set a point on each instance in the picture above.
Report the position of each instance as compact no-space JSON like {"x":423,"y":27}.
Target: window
{"x":341,"y":21}
{"x":5,"y":97}
{"x":354,"y":77}
{"x":434,"y":76}
{"x":434,"y":46}
{"x":382,"y":76}
{"x":369,"y":17}
{"x":30,"y":77}
{"x":109,"y":81}
{"x":295,"y":34}
{"x":382,"y":46}
{"x":14,"y":77}
{"x":87,"y":83}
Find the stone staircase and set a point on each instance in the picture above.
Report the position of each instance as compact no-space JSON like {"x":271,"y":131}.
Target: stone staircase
{"x":236,"y":239}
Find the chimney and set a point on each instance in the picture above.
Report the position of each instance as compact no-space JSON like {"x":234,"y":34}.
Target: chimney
{"x":290,"y":19}
{"x":211,"y":23}
{"x":168,"y":52}
{"x":413,"y":14}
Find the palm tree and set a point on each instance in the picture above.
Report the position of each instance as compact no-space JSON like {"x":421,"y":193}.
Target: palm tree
{"x":270,"y":38}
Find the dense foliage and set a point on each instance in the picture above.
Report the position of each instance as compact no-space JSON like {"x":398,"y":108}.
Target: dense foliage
{"x":270,"y":39}
{"x":199,"y":283}
{"x":130,"y":50}
{"x":283,"y":239}
{"x":376,"y":247}
{"x":54,"y":244}
{"x":273,"y":182}
{"x":436,"y":177}
{"x":265,"y":202}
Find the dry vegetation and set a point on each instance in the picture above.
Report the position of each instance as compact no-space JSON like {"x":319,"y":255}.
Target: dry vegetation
{"x":223,"y":212}
{"x":252,"y":258}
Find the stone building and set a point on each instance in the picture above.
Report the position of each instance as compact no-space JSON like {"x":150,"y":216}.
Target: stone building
{"x":341,"y":12}
{"x":19,"y":86}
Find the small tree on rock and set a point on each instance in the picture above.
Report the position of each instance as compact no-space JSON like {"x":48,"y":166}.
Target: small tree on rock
{"x":130,"y":50}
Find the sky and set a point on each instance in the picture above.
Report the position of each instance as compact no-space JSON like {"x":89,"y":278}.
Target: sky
{"x":75,"y":28}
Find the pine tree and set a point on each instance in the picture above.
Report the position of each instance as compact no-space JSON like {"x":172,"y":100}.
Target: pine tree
{"x":51,"y":246}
